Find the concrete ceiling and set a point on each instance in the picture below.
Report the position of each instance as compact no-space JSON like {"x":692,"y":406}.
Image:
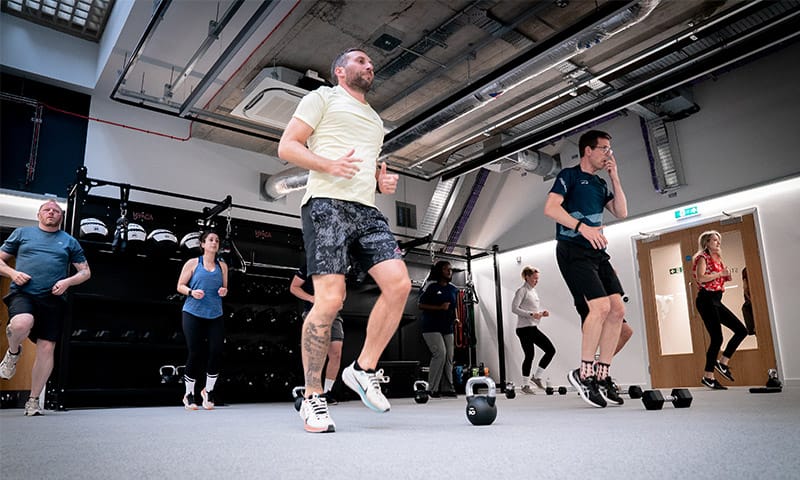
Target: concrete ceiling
{"x":469,"y":83}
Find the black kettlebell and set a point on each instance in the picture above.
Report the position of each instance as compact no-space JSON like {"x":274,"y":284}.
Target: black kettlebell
{"x":299,"y":395}
{"x":481,"y":409}
{"x":421,"y":391}
{"x":167,"y":373}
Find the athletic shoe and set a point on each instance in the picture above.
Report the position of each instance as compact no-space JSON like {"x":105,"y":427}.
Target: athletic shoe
{"x":188,"y":402}
{"x":725,"y":371}
{"x":449,"y":394}
{"x":609,"y":391}
{"x":208,"y":399}
{"x":367,"y":386}
{"x":713,"y":384}
{"x":527,"y":390}
{"x":8,"y":367}
{"x":538,"y":382}
{"x":587,"y":388}
{"x":32,"y":407}
{"x":314,"y":412}
{"x":329,"y":398}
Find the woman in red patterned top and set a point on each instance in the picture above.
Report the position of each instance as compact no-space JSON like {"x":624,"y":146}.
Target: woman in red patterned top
{"x":710,"y":275}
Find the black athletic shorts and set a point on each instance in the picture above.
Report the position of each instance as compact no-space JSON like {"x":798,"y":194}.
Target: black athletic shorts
{"x":48,"y":314}
{"x":587,"y":272}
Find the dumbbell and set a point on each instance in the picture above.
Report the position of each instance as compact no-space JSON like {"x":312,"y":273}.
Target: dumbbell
{"x":654,"y":400}
{"x":421,"y":392}
{"x":550,"y":390}
{"x":634,"y":391}
{"x":298,"y":393}
{"x":510,"y":392}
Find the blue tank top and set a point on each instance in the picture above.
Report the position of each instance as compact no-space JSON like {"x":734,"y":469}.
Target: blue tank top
{"x":210,"y":306}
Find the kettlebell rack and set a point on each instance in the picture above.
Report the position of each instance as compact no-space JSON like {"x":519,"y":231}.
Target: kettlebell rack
{"x":124,"y":324}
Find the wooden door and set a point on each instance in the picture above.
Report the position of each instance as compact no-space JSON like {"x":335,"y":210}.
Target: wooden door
{"x":676,"y":336}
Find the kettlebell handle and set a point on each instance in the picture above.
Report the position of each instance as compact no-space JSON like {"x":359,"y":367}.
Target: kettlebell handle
{"x":480,"y":381}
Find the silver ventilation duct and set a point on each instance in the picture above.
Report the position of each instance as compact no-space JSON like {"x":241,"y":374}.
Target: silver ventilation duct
{"x":567,"y":50}
{"x":282,"y":183}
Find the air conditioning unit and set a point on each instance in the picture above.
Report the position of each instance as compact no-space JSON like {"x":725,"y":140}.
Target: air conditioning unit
{"x":271,"y":98}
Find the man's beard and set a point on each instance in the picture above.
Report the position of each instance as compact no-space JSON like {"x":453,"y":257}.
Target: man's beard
{"x":358,"y":82}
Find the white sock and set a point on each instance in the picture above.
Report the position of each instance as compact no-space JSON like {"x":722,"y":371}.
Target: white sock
{"x":189,"y":383}
{"x":329,"y":384}
{"x":211,"y":380}
{"x":526,"y":382}
{"x":539,"y":372}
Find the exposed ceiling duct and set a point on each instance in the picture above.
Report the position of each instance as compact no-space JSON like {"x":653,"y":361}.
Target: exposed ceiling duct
{"x":557,"y":55}
{"x":281,"y":184}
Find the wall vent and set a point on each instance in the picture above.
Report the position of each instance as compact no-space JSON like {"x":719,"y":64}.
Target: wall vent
{"x":271,"y":98}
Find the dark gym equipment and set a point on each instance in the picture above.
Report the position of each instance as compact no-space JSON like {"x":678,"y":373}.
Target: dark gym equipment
{"x":510,"y":392}
{"x":481,"y":409}
{"x":190,"y":243}
{"x":93,"y":229}
{"x":634,"y":391}
{"x":298,"y":393}
{"x":774,"y":385}
{"x":562,"y":390}
{"x":167,"y":373}
{"x":421,"y":392}
{"x":654,"y":400}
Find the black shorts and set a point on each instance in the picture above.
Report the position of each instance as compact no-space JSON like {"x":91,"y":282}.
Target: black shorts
{"x":587,"y":272}
{"x":48,"y":314}
{"x":336,"y":230}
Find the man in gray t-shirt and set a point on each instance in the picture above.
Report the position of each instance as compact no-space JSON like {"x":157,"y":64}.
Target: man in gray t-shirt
{"x":36,"y":304}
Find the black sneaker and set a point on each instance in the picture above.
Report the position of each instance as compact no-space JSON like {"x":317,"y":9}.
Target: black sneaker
{"x":328,"y":396}
{"x":609,"y":391}
{"x":587,"y":388}
{"x":449,"y":394}
{"x":725,"y":371}
{"x":713,"y":384}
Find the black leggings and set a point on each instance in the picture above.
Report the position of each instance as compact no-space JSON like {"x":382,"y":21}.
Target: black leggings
{"x":197,"y":330}
{"x":714,"y":315}
{"x":531,"y":337}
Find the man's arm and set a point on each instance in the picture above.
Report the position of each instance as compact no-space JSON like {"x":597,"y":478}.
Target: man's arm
{"x":296,"y":288}
{"x":387,"y":182}
{"x":293,"y":149}
{"x":618,"y":206}
{"x":19,"y":278}
{"x":83,"y":273}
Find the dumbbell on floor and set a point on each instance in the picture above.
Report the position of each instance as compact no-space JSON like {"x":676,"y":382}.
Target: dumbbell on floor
{"x":654,"y":400}
{"x":634,"y":391}
{"x":562,"y":390}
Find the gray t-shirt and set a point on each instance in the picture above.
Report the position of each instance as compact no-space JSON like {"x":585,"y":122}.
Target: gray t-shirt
{"x":45,"y":256}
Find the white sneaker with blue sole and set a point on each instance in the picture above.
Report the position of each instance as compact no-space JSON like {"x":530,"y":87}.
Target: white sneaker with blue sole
{"x":367,"y":386}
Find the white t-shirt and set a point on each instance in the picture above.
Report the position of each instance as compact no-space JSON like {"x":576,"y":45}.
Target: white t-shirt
{"x":525,"y":303}
{"x":341,"y":123}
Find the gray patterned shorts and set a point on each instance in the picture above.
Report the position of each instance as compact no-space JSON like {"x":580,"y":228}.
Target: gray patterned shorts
{"x":336,"y":230}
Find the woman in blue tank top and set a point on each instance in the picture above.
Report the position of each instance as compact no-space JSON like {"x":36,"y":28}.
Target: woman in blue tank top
{"x":204,"y":281}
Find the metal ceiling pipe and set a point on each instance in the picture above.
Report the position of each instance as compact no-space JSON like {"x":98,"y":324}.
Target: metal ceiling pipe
{"x":540,"y":63}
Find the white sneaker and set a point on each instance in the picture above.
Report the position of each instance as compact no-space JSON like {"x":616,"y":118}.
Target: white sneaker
{"x":367,"y":386}
{"x":32,"y":407}
{"x":527,"y":389}
{"x":8,"y":367}
{"x":208,"y":399}
{"x":316,"y":419}
{"x":538,"y":382}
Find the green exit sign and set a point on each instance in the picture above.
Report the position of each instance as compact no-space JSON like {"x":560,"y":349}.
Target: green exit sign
{"x":686,"y":212}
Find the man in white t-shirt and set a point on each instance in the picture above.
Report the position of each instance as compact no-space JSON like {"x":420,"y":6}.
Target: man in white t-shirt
{"x":337,"y":136}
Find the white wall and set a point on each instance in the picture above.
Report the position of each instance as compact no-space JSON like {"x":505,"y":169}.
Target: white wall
{"x":778,"y":239}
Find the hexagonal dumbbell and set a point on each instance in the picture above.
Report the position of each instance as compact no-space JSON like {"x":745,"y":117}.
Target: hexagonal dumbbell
{"x":654,"y":400}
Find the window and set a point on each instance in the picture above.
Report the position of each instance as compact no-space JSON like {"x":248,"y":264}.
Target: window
{"x":406,"y":215}
{"x":82,"y":18}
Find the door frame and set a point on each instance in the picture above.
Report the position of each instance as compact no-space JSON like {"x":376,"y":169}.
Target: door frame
{"x":764,"y":315}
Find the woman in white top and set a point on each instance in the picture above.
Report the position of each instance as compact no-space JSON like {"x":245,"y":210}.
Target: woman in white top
{"x":526,"y":306}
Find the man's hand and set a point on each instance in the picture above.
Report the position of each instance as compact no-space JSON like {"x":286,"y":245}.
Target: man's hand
{"x":60,"y":287}
{"x":594,"y":235}
{"x":20,"y":278}
{"x":611,"y":165}
{"x":387,"y":182}
{"x":345,"y":167}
